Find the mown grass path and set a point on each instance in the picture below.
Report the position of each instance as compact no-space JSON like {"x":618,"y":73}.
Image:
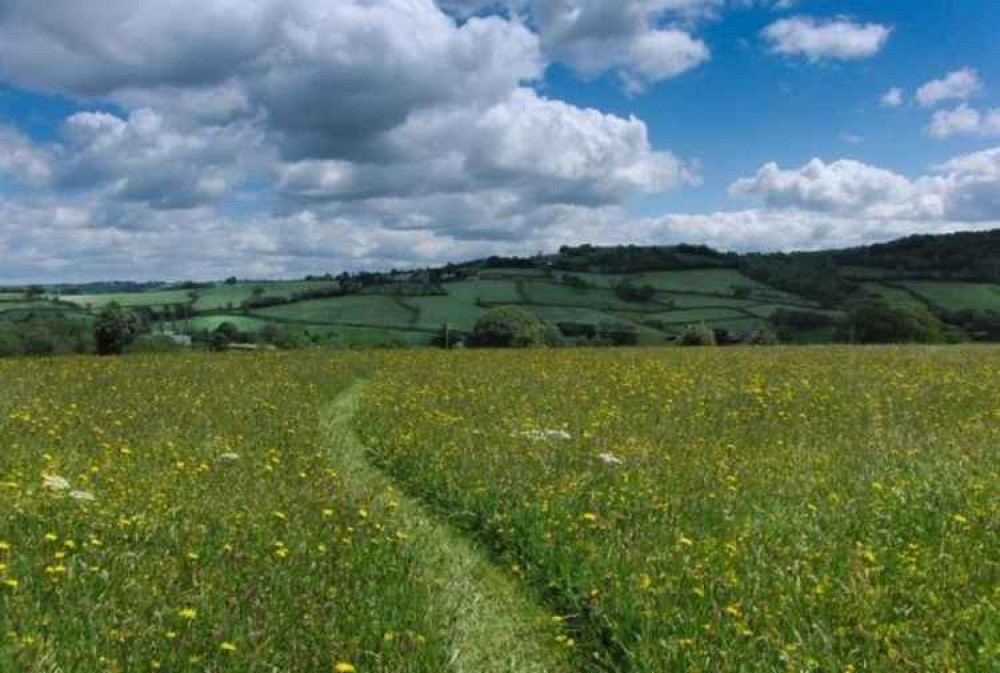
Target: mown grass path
{"x":492,"y":625}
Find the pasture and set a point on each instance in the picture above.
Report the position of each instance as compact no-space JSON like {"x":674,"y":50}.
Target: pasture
{"x":635,"y":510}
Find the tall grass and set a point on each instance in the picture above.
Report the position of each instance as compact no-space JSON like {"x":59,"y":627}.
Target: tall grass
{"x":186,"y":514}
{"x":821,"y":509}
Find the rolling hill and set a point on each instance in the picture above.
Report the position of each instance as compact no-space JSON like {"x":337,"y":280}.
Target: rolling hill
{"x":624,"y":294}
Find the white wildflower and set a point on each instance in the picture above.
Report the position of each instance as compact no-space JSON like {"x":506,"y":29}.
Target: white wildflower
{"x":54,"y":482}
{"x":82,"y":496}
{"x":544,"y":434}
{"x":609,"y":458}
{"x":229,"y":456}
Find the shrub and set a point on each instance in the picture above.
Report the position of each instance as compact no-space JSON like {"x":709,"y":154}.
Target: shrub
{"x":508,"y":327}
{"x":763,"y":337}
{"x":876,"y":321}
{"x":697,"y":335}
{"x":116,"y":328}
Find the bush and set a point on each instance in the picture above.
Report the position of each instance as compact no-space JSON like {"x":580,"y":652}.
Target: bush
{"x":508,"y":327}
{"x":154,"y":343}
{"x":875,"y":321}
{"x":116,"y":328}
{"x":763,"y":337}
{"x":801,"y":320}
{"x":697,"y":335}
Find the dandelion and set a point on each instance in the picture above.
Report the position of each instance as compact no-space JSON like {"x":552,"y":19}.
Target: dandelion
{"x":589,"y":516}
{"x":344,"y":667}
{"x":189,"y":614}
{"x":228,"y":647}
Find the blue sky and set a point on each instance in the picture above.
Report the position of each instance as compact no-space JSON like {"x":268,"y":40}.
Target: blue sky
{"x":156,"y":139}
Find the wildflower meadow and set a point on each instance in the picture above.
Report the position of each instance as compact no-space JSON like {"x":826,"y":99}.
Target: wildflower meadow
{"x":644,"y":510}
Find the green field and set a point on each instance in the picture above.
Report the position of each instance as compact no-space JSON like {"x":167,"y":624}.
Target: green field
{"x":697,"y":315}
{"x":707,"y":281}
{"x":222,"y":295}
{"x":474,"y":291}
{"x":957,"y":296}
{"x":212,"y":322}
{"x":550,"y":293}
{"x":129,"y":299}
{"x":893,"y":295}
{"x":434,"y":312}
{"x":573,"y":511}
{"x":373,"y":310}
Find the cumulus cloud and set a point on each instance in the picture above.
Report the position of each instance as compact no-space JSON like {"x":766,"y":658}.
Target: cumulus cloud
{"x":964,"y":189}
{"x":958,"y":85}
{"x":346,"y":135}
{"x":643,"y":41}
{"x":508,"y":146}
{"x":143,"y":158}
{"x":843,"y":186}
{"x":964,"y":120}
{"x":22,"y":159}
{"x":892,"y":98}
{"x":819,"y":40}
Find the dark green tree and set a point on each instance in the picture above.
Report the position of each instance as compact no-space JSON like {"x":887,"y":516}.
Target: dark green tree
{"x":508,"y":327}
{"x":116,"y":328}
{"x":697,"y":335}
{"x":875,"y":321}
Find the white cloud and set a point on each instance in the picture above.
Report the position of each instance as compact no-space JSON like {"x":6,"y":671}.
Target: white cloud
{"x":346,"y":135}
{"x":892,"y":98}
{"x":598,"y":36}
{"x":643,"y":41}
{"x":965,"y":189}
{"x":958,"y":85}
{"x":964,"y":120}
{"x":819,"y":40}
{"x":507,"y":147}
{"x":762,"y":230}
{"x":843,"y":186}
{"x":24,"y":160}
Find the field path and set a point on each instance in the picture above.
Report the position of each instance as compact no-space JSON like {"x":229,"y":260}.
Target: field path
{"x":493,"y":626}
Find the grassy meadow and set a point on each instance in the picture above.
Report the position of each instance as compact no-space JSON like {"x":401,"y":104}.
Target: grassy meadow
{"x":634,"y":510}
{"x":820,"y":509}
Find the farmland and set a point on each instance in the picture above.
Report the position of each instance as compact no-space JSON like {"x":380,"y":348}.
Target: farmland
{"x":635,"y":510}
{"x":587,"y":295}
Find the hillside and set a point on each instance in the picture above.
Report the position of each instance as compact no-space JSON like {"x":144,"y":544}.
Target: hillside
{"x":625,"y":295}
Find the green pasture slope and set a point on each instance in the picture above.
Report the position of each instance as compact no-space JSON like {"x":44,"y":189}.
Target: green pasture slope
{"x":654,"y":290}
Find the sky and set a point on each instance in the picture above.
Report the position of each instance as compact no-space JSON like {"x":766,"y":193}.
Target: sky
{"x":169,"y":140}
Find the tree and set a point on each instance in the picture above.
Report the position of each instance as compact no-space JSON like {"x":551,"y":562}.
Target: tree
{"x":876,"y":321}
{"x":697,"y":335}
{"x":508,"y":327}
{"x":116,"y":328}
{"x":228,"y":330}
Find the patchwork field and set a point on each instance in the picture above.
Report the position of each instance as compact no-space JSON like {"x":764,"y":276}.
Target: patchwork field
{"x":815,"y":509}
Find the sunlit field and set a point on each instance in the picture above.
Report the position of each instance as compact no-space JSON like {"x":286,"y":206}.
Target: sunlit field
{"x":769,"y":509}
{"x":821,"y":509}
{"x":186,"y":514}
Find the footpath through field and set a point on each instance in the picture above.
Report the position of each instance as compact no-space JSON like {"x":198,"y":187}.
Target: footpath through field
{"x":493,"y":626}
